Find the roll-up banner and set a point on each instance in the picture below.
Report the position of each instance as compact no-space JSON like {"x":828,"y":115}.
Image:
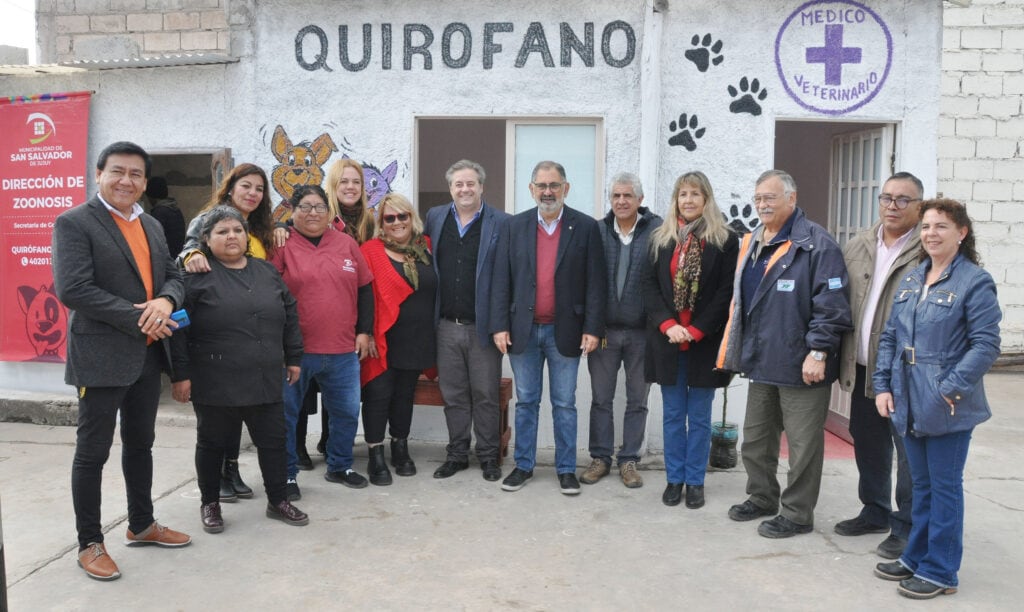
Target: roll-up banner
{"x":43,"y":151}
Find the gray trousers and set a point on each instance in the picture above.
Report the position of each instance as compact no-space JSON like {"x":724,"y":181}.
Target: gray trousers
{"x":468,"y":375}
{"x":801,"y":413}
{"x":624,"y":347}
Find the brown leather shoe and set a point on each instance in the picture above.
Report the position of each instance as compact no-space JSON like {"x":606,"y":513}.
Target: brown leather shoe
{"x":159,"y":535}
{"x":630,"y":477}
{"x":285,"y":512}
{"x":97,"y":563}
{"x":212,"y":520}
{"x":597,"y":470}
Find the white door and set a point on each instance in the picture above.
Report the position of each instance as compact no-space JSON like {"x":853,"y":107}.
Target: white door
{"x":860,"y":162}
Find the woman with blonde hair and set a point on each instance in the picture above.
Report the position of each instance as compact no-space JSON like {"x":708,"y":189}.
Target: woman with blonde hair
{"x":687,"y":294}
{"x":404,"y":342}
{"x":346,"y":195}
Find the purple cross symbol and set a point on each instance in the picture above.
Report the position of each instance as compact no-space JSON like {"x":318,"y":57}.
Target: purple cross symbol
{"x":833,"y":55}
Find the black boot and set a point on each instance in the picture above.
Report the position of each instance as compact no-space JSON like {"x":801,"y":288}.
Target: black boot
{"x":233,"y":479}
{"x":377,"y":467}
{"x":325,"y":432}
{"x":227,"y":492}
{"x":304,"y":461}
{"x":400,"y":458}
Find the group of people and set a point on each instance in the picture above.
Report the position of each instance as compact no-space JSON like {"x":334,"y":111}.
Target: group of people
{"x":352,"y":307}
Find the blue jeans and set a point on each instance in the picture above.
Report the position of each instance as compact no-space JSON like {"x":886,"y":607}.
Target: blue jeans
{"x":338,"y":377}
{"x":528,"y":368}
{"x":936,"y":542}
{"x":687,"y":428}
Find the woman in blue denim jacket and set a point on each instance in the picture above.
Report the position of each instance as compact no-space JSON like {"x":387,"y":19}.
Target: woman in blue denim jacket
{"x":941,"y":339}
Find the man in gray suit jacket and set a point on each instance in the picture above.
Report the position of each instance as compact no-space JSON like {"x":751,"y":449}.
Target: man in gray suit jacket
{"x":112,"y":270}
{"x":464,"y":234}
{"x":548,"y":305}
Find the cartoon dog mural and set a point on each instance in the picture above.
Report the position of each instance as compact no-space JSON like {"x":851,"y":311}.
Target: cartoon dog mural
{"x":300,"y":164}
{"x":46,"y":321}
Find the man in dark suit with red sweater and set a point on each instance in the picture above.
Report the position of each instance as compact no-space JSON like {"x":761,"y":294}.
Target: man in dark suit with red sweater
{"x":548,"y":304}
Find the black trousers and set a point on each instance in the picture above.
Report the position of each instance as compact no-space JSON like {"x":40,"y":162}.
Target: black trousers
{"x":387,"y":399}
{"x":98,"y":408}
{"x":873,"y":442}
{"x":215,"y":426}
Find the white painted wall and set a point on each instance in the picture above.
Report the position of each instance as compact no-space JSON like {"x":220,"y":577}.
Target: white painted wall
{"x":371,"y":113}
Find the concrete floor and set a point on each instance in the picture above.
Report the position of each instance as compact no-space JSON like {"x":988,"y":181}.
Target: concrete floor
{"x":462,"y":543}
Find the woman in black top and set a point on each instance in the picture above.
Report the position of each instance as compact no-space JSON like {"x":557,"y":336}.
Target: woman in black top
{"x":404,"y":290}
{"x":244,"y":331}
{"x":687,"y":295}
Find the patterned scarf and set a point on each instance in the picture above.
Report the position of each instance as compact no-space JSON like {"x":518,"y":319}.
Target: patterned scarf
{"x":415,"y":251}
{"x":351,"y":216}
{"x":686,"y":283}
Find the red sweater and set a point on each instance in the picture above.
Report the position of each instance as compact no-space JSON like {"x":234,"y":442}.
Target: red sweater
{"x":547,"y":254}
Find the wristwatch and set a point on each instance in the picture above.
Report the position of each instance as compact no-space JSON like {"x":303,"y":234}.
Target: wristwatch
{"x":818,"y":355}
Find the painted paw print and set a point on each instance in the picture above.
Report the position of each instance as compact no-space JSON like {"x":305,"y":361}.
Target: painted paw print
{"x":702,"y":52}
{"x":686,"y":133}
{"x":743,"y":220}
{"x":751,"y":94}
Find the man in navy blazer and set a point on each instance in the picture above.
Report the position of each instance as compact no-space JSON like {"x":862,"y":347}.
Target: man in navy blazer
{"x":548,"y":304}
{"x":112,"y":270}
{"x":464,"y":234}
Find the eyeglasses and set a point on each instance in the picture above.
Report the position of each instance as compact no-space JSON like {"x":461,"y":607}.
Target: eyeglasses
{"x":767,"y":198}
{"x":900,"y":202}
{"x":389,"y":219}
{"x":320,"y":208}
{"x":546,"y":186}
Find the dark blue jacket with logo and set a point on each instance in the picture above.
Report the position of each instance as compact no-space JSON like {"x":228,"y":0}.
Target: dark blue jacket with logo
{"x":802,"y":304}
{"x":940,"y":348}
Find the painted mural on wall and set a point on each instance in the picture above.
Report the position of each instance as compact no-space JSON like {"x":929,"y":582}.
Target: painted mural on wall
{"x":305,"y":163}
{"x":378,"y":182}
{"x":297,"y":165}
{"x":745,"y":97}
{"x":833,"y":56}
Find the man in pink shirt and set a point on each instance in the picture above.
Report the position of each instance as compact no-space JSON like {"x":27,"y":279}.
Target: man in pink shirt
{"x":877,"y":259}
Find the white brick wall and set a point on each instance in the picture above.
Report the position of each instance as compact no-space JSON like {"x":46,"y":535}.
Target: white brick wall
{"x":120,"y":29}
{"x":981,"y":160}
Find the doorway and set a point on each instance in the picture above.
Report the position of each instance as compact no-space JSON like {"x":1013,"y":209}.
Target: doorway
{"x":192,"y":176}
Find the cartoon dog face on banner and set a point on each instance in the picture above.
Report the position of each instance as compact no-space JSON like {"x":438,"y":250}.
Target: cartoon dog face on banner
{"x":46,"y":321}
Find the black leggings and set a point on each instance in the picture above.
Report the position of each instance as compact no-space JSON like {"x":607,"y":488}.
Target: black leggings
{"x":387,"y":399}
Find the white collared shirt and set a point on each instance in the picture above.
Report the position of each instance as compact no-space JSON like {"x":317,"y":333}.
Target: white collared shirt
{"x":627,"y":238}
{"x":136,"y":210}
{"x":550,"y":227}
